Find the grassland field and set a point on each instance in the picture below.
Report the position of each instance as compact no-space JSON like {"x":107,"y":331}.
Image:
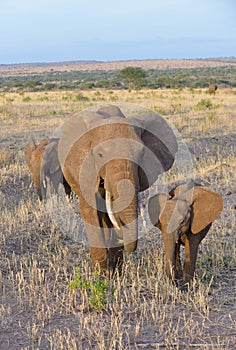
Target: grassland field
{"x":142,"y":309}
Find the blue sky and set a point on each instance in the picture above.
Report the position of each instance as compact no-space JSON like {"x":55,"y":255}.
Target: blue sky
{"x":60,"y":30}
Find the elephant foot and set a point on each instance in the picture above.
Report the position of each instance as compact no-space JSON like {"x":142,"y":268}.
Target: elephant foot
{"x":99,"y":259}
{"x":115,"y":261}
{"x":186,"y":285}
{"x":187,"y":278}
{"x":178,"y":274}
{"x":100,"y":266}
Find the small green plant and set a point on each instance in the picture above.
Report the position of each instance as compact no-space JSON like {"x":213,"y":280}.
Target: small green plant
{"x":113,"y":98}
{"x":175,"y":107}
{"x":67,"y":97}
{"x":10,"y":100}
{"x":43,"y":98}
{"x":81,"y":97}
{"x":26,"y":99}
{"x":96,"y":287}
{"x":205,"y":103}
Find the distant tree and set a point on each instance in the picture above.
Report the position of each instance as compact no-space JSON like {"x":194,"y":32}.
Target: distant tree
{"x":32,"y":84}
{"x":104,"y":84}
{"x":164,"y":81}
{"x":133,"y":77}
{"x":49,"y":86}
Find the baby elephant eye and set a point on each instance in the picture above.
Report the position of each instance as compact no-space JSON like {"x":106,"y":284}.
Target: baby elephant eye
{"x":100,"y":155}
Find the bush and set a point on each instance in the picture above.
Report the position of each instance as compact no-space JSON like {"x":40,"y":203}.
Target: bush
{"x":205,"y":103}
{"x":81,"y":97}
{"x":96,"y":288}
{"x":26,"y":99}
{"x":49,"y":86}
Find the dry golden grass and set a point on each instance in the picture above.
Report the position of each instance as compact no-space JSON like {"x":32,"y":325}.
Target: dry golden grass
{"x":146,"y":311}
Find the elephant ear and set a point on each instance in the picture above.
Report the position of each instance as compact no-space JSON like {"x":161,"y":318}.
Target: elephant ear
{"x":156,"y":205}
{"x":160,"y":148}
{"x":75,"y":151}
{"x":110,"y":111}
{"x":28,"y":152}
{"x":207,"y":206}
{"x":51,"y":172}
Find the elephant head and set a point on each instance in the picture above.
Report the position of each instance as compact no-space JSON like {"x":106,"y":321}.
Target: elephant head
{"x":107,"y":157}
{"x":184,"y":216}
{"x":43,"y":163}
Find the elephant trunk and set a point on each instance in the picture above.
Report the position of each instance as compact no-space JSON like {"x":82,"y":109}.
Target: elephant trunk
{"x":170,"y":255}
{"x":122,"y":205}
{"x":129,"y":220}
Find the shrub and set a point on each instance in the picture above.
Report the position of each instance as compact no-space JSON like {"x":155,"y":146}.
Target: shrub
{"x":26,"y":99}
{"x":81,"y":97}
{"x":49,"y":86}
{"x":205,"y":103}
{"x":96,"y":288}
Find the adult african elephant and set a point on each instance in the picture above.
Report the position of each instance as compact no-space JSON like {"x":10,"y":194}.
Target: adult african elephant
{"x":107,"y":157}
{"x":43,"y":163}
{"x":184,"y":216}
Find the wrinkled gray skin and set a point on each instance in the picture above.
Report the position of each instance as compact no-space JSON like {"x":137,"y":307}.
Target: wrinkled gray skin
{"x":43,"y":163}
{"x":105,"y":158}
{"x":51,"y":173}
{"x":184,"y":216}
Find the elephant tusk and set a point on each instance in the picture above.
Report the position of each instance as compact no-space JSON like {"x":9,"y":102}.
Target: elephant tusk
{"x":109,"y":211}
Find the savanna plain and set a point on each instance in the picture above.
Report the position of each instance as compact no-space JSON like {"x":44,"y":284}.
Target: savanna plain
{"x":49,"y":298}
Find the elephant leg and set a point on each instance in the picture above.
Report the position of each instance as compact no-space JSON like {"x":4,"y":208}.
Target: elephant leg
{"x":95,"y":234}
{"x":115,"y":258}
{"x":115,"y":250}
{"x":66,"y":187}
{"x":178,"y":265}
{"x":99,"y":258}
{"x":36,"y":181}
{"x":191,"y":249}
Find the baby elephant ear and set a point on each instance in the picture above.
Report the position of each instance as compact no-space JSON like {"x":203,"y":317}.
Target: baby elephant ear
{"x":156,"y":205}
{"x":207,"y":206}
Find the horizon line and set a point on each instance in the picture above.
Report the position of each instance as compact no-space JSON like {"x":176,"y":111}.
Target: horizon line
{"x":90,"y":61}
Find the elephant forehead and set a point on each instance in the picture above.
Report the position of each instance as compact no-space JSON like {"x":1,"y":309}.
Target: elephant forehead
{"x":119,"y":148}
{"x":173,"y":214}
{"x":115,"y":128}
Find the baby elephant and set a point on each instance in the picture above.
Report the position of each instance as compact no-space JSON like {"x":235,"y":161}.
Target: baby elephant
{"x":44,"y":165}
{"x":184,"y":216}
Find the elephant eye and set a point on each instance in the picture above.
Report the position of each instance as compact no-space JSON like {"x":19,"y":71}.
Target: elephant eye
{"x":100,"y":155}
